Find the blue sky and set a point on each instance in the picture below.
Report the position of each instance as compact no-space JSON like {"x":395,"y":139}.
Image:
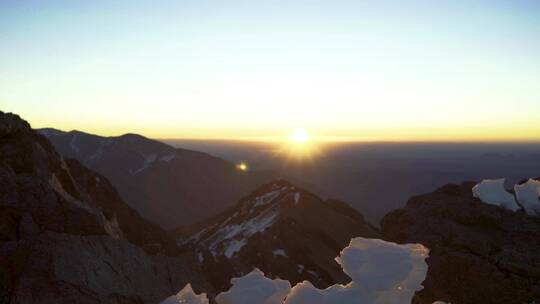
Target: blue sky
{"x":366,"y":70}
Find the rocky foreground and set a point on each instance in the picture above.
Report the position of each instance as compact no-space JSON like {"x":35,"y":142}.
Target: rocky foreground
{"x":67,"y":237}
{"x":479,"y":253}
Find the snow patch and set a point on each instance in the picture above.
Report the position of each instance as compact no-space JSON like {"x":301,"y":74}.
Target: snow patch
{"x":268,"y":197}
{"x":255,"y":288}
{"x":279,"y":252}
{"x":527,"y":195}
{"x":492,"y":191}
{"x":233,"y":237}
{"x":233,"y":247}
{"x":148,"y":160}
{"x":186,"y":296}
{"x":72,"y":143}
{"x":168,"y":157}
{"x":200,"y":257}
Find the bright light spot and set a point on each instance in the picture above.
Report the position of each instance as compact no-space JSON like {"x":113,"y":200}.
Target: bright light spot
{"x":242,"y":166}
{"x":300,"y":136}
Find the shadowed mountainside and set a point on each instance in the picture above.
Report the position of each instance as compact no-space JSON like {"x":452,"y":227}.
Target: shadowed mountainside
{"x":283,"y":230}
{"x":169,"y":186}
{"x":66,"y":236}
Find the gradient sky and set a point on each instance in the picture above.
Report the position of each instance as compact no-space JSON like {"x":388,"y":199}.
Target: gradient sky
{"x":359,"y":70}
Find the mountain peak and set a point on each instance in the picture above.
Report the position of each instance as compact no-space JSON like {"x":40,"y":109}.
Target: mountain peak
{"x":12,"y":123}
{"x":282,"y":229}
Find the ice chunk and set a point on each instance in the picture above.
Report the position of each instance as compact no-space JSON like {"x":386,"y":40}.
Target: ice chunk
{"x":527,"y":195}
{"x":186,"y":296}
{"x":381,"y":272}
{"x":255,"y":288}
{"x":492,"y":191}
{"x":279,"y":252}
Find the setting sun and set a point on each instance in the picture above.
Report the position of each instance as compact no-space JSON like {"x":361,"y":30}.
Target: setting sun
{"x":300,"y":136}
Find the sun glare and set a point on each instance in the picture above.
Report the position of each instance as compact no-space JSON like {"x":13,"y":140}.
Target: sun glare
{"x":242,"y":166}
{"x":300,"y":136}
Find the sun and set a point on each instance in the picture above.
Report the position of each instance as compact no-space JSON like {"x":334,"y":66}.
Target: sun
{"x":300,"y":136}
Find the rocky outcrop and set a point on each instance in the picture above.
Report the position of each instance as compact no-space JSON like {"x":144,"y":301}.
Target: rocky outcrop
{"x":283,"y":230}
{"x":66,"y":236}
{"x":171,"y":187}
{"x":479,"y":253}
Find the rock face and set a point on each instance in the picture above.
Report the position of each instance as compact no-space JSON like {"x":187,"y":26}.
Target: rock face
{"x":479,"y":253}
{"x":284,"y":231}
{"x":171,"y":187}
{"x":66,"y":236}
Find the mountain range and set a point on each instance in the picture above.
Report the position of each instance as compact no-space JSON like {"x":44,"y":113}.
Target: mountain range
{"x":68,"y":236}
{"x":170,"y":186}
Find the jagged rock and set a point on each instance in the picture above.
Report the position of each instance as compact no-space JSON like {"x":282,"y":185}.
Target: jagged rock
{"x":479,"y":253}
{"x":67,"y":237}
{"x":283,"y":230}
{"x":63,"y":268}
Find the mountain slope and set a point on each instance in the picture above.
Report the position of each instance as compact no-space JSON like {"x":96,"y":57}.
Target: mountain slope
{"x":479,"y":253}
{"x":283,"y":230}
{"x":172,"y":187}
{"x":66,"y":236}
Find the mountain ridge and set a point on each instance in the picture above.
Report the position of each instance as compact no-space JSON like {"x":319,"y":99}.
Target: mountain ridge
{"x":170,"y":186}
{"x":284,"y":230}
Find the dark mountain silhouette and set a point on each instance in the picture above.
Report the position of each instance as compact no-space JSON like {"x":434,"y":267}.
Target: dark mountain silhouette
{"x":283,"y":230}
{"x":67,"y":237}
{"x":479,"y":253}
{"x":169,"y":186}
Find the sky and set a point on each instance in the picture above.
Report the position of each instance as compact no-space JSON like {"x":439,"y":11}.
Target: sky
{"x":342,"y":70}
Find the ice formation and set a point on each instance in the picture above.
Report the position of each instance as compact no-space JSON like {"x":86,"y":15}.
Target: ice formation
{"x":492,"y":191}
{"x":381,"y":272}
{"x":186,"y":296}
{"x":527,"y":195}
{"x":255,"y":288}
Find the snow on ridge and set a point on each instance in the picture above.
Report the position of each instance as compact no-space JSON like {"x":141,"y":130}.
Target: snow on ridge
{"x":527,"y":195}
{"x":168,"y":157}
{"x":99,"y":150}
{"x":268,"y":197}
{"x":381,"y":272}
{"x":492,"y":191}
{"x":148,"y":160}
{"x":72,"y":143}
{"x":234,"y":236}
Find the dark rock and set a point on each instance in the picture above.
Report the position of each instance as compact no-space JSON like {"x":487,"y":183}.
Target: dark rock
{"x":479,"y":253}
{"x":67,"y":237}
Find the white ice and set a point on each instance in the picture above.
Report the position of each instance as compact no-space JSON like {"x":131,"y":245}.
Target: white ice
{"x":186,"y":296}
{"x":492,"y":191}
{"x":527,"y":195}
{"x":381,"y":272}
{"x":255,"y":288}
